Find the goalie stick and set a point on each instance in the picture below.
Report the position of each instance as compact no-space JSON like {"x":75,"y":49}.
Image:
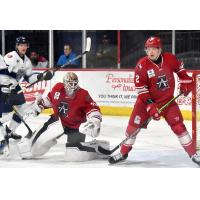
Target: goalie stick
{"x":109,"y":152}
{"x":87,"y":49}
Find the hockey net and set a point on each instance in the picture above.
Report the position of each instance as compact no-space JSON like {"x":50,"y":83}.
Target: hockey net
{"x":196,"y":110}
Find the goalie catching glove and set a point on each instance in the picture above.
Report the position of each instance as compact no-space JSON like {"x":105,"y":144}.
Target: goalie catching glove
{"x":91,"y":127}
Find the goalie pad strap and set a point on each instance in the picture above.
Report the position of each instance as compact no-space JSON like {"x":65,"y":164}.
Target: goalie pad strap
{"x":44,"y":128}
{"x":80,"y":147}
{"x":85,"y":151}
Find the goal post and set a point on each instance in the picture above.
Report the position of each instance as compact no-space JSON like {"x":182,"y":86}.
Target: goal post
{"x":196,"y":110}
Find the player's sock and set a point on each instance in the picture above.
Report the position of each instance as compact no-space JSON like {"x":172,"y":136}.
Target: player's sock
{"x":3,"y":146}
{"x":125,"y":148}
{"x":187,"y":143}
{"x":189,"y":149}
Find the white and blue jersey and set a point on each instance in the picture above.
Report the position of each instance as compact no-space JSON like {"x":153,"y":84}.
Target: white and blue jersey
{"x":13,"y":70}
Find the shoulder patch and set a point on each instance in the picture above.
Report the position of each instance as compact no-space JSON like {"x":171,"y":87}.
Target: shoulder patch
{"x":139,"y":66}
{"x":150,"y":73}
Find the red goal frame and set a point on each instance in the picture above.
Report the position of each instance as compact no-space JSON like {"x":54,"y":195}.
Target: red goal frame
{"x":194,"y":108}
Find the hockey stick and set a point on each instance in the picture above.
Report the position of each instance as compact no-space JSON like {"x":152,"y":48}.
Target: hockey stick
{"x":109,"y":152}
{"x":30,"y":132}
{"x":87,"y":49}
{"x":18,"y":114}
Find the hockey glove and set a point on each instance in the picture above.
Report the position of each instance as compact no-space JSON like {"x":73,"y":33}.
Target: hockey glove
{"x":7,"y":91}
{"x":153,"y":111}
{"x":46,"y":76}
{"x":40,"y":77}
{"x":186,"y":85}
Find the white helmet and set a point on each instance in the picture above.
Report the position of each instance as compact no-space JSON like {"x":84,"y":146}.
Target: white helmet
{"x":70,"y":81}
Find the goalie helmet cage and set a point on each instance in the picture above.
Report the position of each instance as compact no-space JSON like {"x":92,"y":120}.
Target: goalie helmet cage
{"x":196,"y":110}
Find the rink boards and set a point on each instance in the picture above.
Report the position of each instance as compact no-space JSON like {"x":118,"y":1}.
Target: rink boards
{"x":113,"y":90}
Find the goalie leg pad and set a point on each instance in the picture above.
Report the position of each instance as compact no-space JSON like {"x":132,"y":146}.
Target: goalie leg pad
{"x":24,"y":148}
{"x":84,"y":151}
{"x":26,"y":151}
{"x":41,"y":149}
{"x":42,"y":140}
{"x":6,"y":117}
{"x":105,"y":144}
{"x":78,"y":153}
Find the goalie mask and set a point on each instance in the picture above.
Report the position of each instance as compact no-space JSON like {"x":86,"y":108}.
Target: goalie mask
{"x":70,"y":81}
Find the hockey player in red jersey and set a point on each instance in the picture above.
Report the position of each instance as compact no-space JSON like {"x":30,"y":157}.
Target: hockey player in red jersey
{"x":79,"y":116}
{"x":154,"y":82}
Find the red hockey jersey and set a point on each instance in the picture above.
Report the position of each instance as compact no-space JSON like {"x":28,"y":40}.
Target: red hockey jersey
{"x":157,"y":82}
{"x":71,"y":110}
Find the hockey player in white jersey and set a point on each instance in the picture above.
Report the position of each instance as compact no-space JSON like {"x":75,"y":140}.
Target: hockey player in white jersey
{"x":14,"y":68}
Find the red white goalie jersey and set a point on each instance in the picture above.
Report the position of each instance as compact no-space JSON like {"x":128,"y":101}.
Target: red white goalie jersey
{"x":157,"y":82}
{"x":72,"y":110}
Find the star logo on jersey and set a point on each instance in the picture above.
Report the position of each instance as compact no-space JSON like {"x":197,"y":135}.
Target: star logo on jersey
{"x":162,"y":82}
{"x":63,"y":108}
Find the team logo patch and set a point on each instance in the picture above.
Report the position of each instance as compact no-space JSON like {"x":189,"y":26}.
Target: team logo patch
{"x":150,"y":73}
{"x":63,"y":109}
{"x":162,"y":82}
{"x":139,"y":66}
{"x":137,"y":119}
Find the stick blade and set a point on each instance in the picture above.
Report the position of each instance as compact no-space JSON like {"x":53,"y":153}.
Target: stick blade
{"x":88,"y":44}
{"x":104,"y":151}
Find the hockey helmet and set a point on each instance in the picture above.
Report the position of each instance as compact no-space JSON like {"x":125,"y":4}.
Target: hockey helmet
{"x":70,"y":81}
{"x":21,"y":40}
{"x":153,"y":42}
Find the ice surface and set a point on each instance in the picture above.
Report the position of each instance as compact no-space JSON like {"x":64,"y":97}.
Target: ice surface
{"x":156,"y":147}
